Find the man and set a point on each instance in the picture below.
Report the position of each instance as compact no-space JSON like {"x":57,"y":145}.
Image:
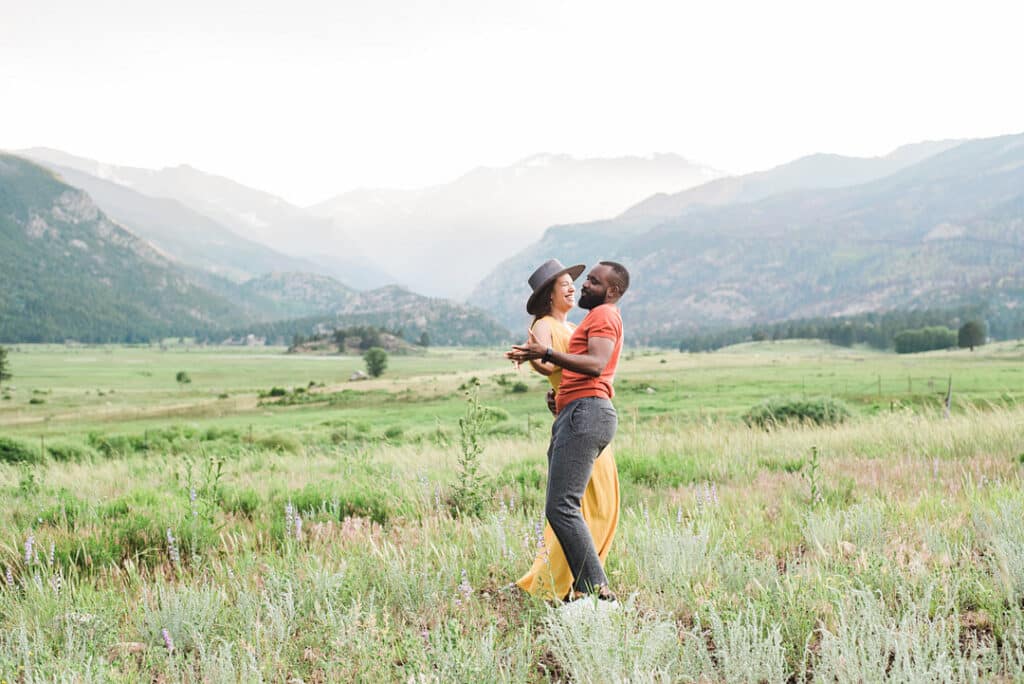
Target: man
{"x":586,"y":420}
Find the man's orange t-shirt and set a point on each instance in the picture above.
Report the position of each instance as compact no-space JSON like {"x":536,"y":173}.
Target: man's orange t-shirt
{"x":602,"y":321}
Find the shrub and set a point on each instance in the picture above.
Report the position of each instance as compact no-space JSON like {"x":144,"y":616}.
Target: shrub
{"x":64,"y":511}
{"x":519,"y":387}
{"x":666,"y":469}
{"x":277,"y":392}
{"x":507,"y":430}
{"x":15,"y":451}
{"x":352,"y":499}
{"x":494,"y":414}
{"x":214,"y":433}
{"x":394,"y":432}
{"x":67,"y":451}
{"x":36,"y":400}
{"x":244,"y":502}
{"x":817,"y":411}
{"x":183,"y":378}
{"x":924,"y":339}
{"x":279,"y":442}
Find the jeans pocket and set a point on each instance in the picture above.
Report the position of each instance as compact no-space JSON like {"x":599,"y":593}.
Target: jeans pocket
{"x":579,"y":418}
{"x":609,"y":420}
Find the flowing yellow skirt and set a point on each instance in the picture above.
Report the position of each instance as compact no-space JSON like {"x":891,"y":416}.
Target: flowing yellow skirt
{"x":550,"y":577}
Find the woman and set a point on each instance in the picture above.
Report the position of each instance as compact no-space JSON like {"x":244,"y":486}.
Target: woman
{"x":552,"y":299}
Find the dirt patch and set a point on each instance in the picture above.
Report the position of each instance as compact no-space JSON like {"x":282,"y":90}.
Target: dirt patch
{"x":975,"y":628}
{"x":548,"y":667}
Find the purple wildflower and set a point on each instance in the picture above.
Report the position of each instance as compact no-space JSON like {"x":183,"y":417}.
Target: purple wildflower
{"x":172,"y":548}
{"x":53,"y":552}
{"x":167,"y":640}
{"x":289,"y":519}
{"x":714,"y":493}
{"x":192,"y":500}
{"x":538,"y":531}
{"x":298,"y":528}
{"x":465,"y":589}
{"x":647,"y":515}
{"x":29,"y":543}
{"x":57,"y":582}
{"x":502,"y":516}
{"x":9,"y":577}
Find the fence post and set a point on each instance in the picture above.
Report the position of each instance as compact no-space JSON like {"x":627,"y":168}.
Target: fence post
{"x":949,"y":396}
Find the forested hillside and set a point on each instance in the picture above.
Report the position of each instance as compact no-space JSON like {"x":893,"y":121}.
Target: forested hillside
{"x":69,"y":272}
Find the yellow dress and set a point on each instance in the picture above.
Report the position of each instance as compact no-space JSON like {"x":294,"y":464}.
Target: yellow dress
{"x":550,"y":576}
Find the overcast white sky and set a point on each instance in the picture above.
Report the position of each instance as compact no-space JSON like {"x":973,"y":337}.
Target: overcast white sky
{"x":306,"y":99}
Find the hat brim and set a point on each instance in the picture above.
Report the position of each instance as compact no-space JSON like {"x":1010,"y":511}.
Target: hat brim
{"x":533,"y":303}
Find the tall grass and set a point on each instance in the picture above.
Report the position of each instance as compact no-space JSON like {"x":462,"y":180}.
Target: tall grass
{"x":911,"y":566}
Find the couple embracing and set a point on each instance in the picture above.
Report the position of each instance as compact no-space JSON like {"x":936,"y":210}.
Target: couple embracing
{"x":582,"y":502}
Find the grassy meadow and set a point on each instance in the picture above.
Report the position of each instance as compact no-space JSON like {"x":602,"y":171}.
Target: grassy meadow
{"x":217,"y":530}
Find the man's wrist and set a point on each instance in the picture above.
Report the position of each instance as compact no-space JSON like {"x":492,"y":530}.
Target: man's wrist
{"x":547,"y":355}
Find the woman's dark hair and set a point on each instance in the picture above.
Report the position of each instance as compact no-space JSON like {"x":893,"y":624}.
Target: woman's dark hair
{"x":544,"y":300}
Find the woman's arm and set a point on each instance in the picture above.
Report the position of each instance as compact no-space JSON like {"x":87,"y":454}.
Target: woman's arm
{"x":542,"y":332}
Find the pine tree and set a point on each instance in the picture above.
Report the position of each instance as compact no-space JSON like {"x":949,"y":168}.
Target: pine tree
{"x":376,"y":361}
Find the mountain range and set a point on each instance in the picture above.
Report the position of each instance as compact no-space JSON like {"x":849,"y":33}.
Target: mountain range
{"x":253,"y":216}
{"x":97,"y":252}
{"x":933,"y":224}
{"x":71,"y":272}
{"x":438,"y":240}
{"x":445,"y":238}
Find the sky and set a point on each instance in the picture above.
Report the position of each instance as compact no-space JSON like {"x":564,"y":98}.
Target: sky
{"x":307,"y":99}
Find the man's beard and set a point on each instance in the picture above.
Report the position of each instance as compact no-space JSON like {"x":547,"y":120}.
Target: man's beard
{"x":589,"y":301}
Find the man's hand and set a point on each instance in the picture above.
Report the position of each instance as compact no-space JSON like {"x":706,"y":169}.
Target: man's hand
{"x":551,"y":401}
{"x":524,"y":352}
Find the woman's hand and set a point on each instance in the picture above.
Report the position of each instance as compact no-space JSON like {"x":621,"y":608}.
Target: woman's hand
{"x":532,"y":349}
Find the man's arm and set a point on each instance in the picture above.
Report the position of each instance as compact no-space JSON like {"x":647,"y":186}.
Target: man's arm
{"x":593,"y":363}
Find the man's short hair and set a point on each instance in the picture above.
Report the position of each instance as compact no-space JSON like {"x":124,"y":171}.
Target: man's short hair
{"x":621,"y":275}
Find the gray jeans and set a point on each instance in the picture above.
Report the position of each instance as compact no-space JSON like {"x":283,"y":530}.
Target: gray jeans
{"x":581,"y":431}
